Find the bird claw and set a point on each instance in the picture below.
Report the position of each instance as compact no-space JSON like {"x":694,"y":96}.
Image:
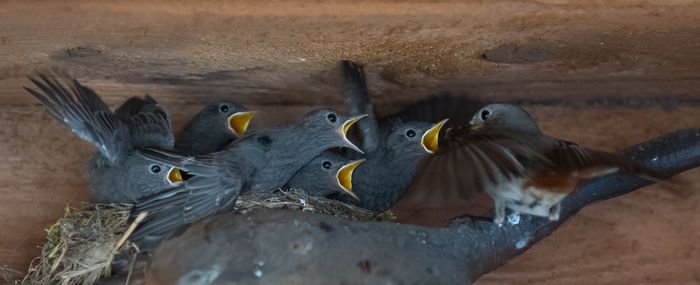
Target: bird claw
{"x":498,"y":219}
{"x":554,"y":213}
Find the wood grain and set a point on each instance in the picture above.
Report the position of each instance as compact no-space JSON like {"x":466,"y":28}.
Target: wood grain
{"x":637,"y":60}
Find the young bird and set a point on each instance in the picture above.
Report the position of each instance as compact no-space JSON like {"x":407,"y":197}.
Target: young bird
{"x":214,"y":127}
{"x":327,"y":174}
{"x":138,"y":123}
{"x":393,"y":148}
{"x":504,"y":153}
{"x":260,"y":161}
{"x":381,"y":180}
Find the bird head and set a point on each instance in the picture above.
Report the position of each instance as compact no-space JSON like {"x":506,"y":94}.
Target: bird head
{"x":214,"y":127}
{"x":228,"y":117}
{"x":415,"y":138}
{"x":327,"y":174}
{"x":149,"y":176}
{"x":503,"y":117}
{"x":330,"y":128}
{"x":232,"y":115}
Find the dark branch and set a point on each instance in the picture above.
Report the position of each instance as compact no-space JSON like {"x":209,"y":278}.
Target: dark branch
{"x":273,"y":246}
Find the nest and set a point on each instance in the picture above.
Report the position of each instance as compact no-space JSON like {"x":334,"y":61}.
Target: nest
{"x":81,"y":245}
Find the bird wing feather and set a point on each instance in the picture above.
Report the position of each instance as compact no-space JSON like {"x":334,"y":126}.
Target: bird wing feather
{"x":357,"y":97}
{"x":149,"y":124}
{"x":466,"y":165}
{"x":206,"y":193}
{"x":81,"y":109}
{"x":568,"y":156}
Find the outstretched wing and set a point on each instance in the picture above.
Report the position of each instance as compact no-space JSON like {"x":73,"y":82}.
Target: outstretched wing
{"x":568,"y":156}
{"x":467,"y":164}
{"x":80,"y":109}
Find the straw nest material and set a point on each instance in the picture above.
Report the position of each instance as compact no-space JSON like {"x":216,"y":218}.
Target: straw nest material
{"x":81,"y":245}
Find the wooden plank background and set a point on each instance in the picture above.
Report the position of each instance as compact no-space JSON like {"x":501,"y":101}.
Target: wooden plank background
{"x":604,"y":73}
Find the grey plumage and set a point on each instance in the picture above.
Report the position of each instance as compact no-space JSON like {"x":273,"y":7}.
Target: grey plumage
{"x":357,"y":99}
{"x":137,"y":123}
{"x":263,"y":160}
{"x":382,"y":179}
{"x":393,"y":147}
{"x":213,"y":128}
{"x":328,"y":173}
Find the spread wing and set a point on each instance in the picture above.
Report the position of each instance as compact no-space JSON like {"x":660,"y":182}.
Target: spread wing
{"x":80,"y":109}
{"x":568,"y":156}
{"x":466,"y":165}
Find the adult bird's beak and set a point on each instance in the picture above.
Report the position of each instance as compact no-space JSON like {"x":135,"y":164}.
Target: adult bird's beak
{"x":174,"y":176}
{"x":343,"y":130}
{"x":344,"y":177}
{"x":430,"y":137}
{"x":474,"y":127}
{"x":238,"y":122}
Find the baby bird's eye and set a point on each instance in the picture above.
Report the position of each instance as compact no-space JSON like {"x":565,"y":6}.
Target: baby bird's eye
{"x":224,"y":108}
{"x":410,"y":133}
{"x":332,"y":117}
{"x":485,"y":114}
{"x":155,"y":169}
{"x":327,"y":164}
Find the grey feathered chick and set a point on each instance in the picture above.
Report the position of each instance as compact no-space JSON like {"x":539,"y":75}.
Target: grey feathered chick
{"x":393,"y":148}
{"x":214,"y":127}
{"x":380,"y":182}
{"x":115,"y":173}
{"x":262,"y":160}
{"x":328,"y":173}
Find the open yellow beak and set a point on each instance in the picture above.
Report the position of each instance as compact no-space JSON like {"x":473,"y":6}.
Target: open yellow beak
{"x":238,"y":122}
{"x":344,"y":131}
{"x":344,"y":177}
{"x":430,"y":137}
{"x":174,"y":176}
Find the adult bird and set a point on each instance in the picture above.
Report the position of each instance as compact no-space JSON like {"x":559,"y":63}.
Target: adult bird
{"x":214,"y":127}
{"x":261,"y":161}
{"x":328,"y":173}
{"x":115,"y":173}
{"x":505,"y":154}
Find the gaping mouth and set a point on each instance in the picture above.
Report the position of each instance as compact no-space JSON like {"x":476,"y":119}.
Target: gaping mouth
{"x":431,"y":137}
{"x":174,"y":176}
{"x":238,"y":122}
{"x":344,"y":177}
{"x":344,"y":131}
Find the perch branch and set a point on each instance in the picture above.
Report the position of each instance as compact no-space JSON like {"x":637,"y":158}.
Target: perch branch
{"x":292,"y":247}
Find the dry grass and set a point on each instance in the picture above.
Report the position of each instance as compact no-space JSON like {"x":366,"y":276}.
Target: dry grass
{"x":300,"y":200}
{"x":81,"y":245}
